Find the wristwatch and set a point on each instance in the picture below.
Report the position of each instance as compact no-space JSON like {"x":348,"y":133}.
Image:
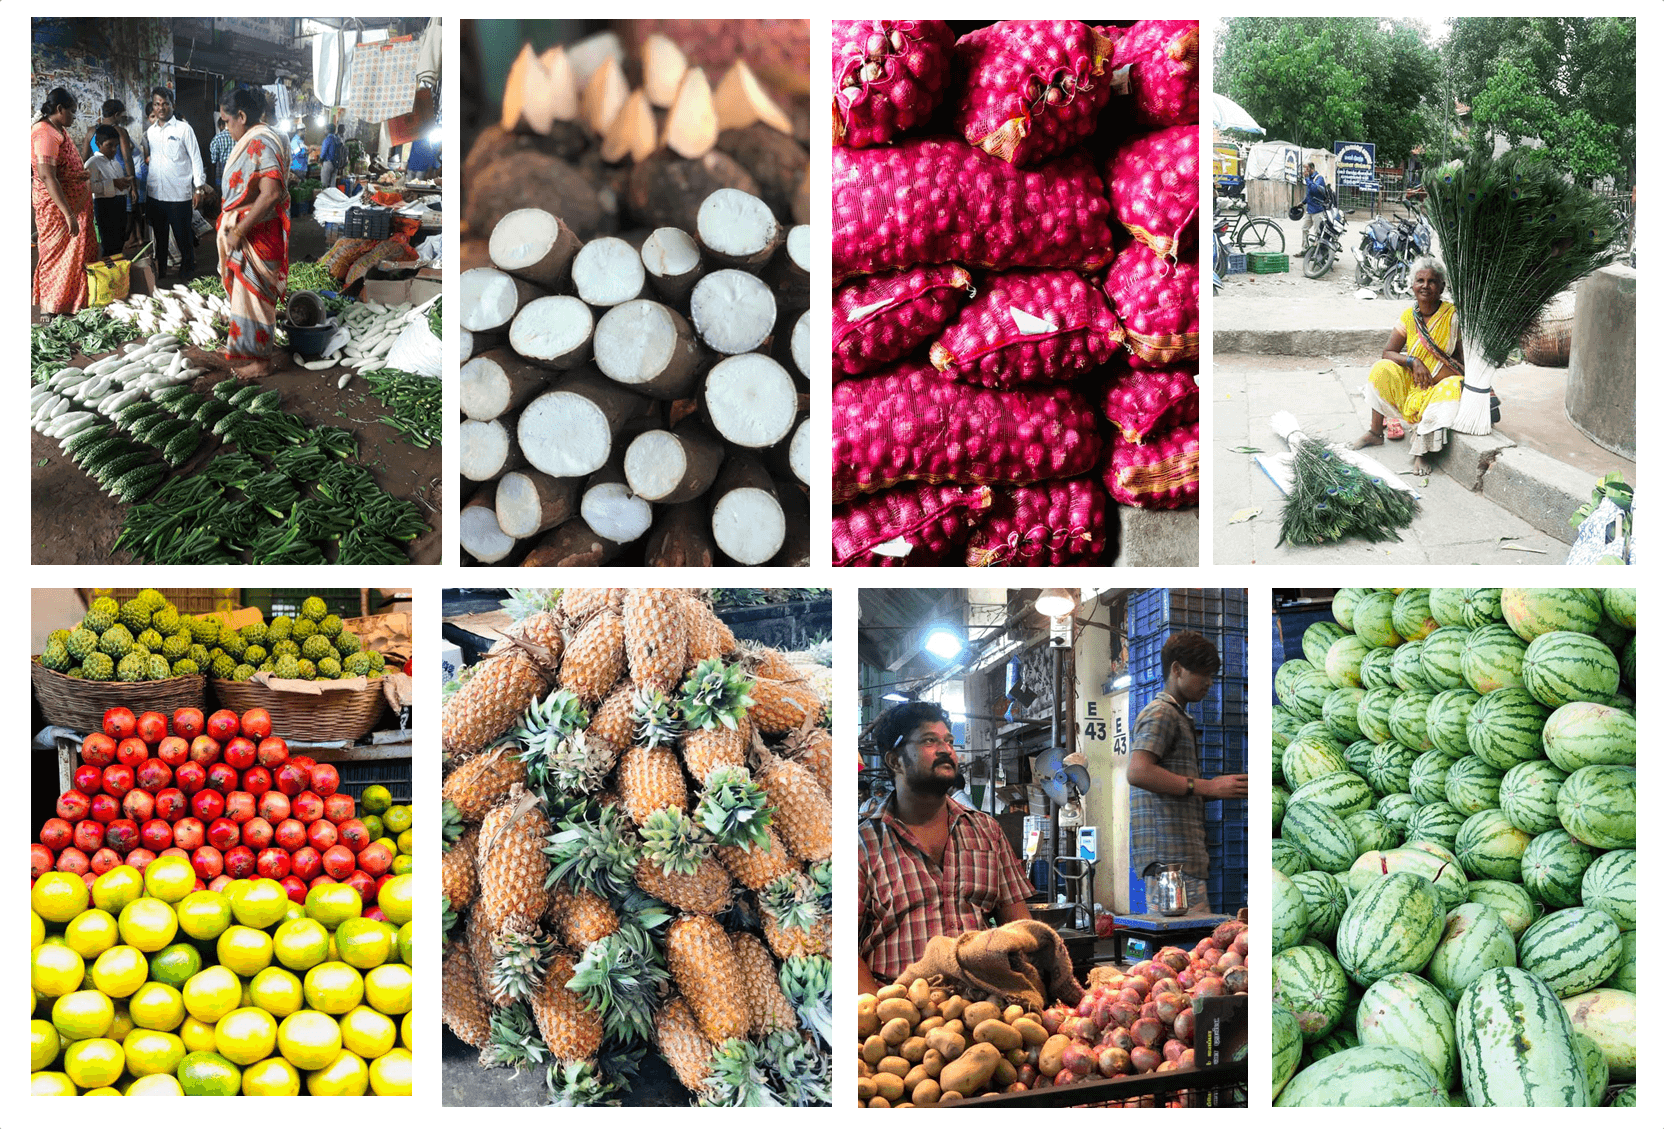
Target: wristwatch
{"x":1190,"y":785}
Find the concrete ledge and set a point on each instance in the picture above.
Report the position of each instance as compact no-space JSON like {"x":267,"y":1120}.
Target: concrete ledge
{"x":1155,"y":538}
{"x":1302,"y":342}
{"x":1468,"y":457}
{"x":1539,"y":490}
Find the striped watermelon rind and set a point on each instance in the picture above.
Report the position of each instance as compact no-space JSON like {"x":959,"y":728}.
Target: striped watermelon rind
{"x":1623,"y":977}
{"x":1568,"y":666}
{"x":1282,"y":683}
{"x":1509,"y":899}
{"x":1490,"y":847}
{"x":1609,"y":885}
{"x":1288,"y":913}
{"x":1376,"y":670}
{"x":1366,"y":1076}
{"x":1441,"y":658}
{"x":1341,"y":792}
{"x":1279,"y":800}
{"x":1340,"y":713}
{"x":1427,"y":775}
{"x":1412,"y":615}
{"x":1607,"y":1015}
{"x":1447,"y":719}
{"x":1447,"y":879}
{"x":1372,"y":620}
{"x":1571,"y":950}
{"x":1437,"y":850}
{"x":1309,"y":981}
{"x":1288,"y":858}
{"x":1357,"y":756}
{"x":1284,"y":725}
{"x":1533,"y":612}
{"x":1320,"y":834}
{"x":1407,"y":720}
{"x":1475,"y":940}
{"x":1627,"y":663}
{"x":1446,"y":606}
{"x":1344,"y":660}
{"x":1505,"y":728}
{"x":1375,"y":712}
{"x":1326,"y":900}
{"x":1471,"y":786}
{"x":1341,"y":605}
{"x":1310,"y":690}
{"x":1391,"y":926}
{"x":1527,"y":796}
{"x":1436,"y":821}
{"x":1389,"y":768}
{"x":1342,"y":1038}
{"x":1286,"y":1045}
{"x":1579,"y":734}
{"x":1398,"y":809}
{"x":1618,"y":604}
{"x":1406,"y":668}
{"x":1315,"y":642}
{"x":1404,"y":1010}
{"x":1371,"y":832}
{"x":1552,"y":868}
{"x":1597,"y":805}
{"x":1516,"y":1043}
{"x":1595,"y":1069}
{"x":1308,"y":757}
{"x":1493,"y":659}
{"x":1481,"y":606}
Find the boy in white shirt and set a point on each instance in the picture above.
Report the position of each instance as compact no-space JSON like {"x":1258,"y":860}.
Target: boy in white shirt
{"x":109,"y":189}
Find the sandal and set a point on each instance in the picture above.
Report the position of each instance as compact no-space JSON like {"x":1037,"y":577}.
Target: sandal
{"x":1395,"y":429}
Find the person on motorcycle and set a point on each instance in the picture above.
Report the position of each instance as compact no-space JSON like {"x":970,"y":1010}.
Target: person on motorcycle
{"x":1418,"y":379}
{"x":1317,"y":195}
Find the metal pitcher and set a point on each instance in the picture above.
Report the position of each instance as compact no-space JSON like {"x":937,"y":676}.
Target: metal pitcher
{"x":1170,"y":898}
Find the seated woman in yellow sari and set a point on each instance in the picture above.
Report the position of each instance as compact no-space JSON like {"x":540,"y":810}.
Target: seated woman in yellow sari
{"x":253,"y":234}
{"x":1419,"y":376}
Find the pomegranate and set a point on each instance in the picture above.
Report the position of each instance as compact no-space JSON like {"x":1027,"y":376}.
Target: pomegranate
{"x":40,"y":860}
{"x":98,"y":750}
{"x":257,"y":833}
{"x":153,"y":775}
{"x":239,"y":807}
{"x":204,"y":750}
{"x":274,"y":807}
{"x":140,"y":858}
{"x":151,"y":727}
{"x":322,"y":836}
{"x":171,"y":804}
{"x":156,"y":834}
{"x":291,"y":779}
{"x":73,"y":860}
{"x":366,"y":886}
{"x":191,"y":777}
{"x":208,"y":805}
{"x":339,"y":807}
{"x":119,"y":722}
{"x":296,"y":889}
{"x":353,"y":835}
{"x":104,"y":808}
{"x":189,"y":833}
{"x":375,"y":913}
{"x":239,"y":753}
{"x":220,"y":883}
{"x":173,"y":751}
{"x":376,"y":859}
{"x":138,"y":805}
{"x":325,"y":779}
{"x":271,"y":752}
{"x":256,"y":723}
{"x":224,"y":834}
{"x":338,"y":861}
{"x":257,"y":781}
{"x":290,"y":834}
{"x":222,"y":778}
{"x":187,"y":722}
{"x":307,"y":806}
{"x":304,"y":762}
{"x":118,"y":780}
{"x":87,"y":779}
{"x":89,"y":835}
{"x":208,"y":863}
{"x":56,"y":834}
{"x":305,"y":863}
{"x":239,"y":862}
{"x":176,"y":852}
{"x":73,"y":805}
{"x":222,"y":725}
{"x":273,"y":862}
{"x":132,"y":752}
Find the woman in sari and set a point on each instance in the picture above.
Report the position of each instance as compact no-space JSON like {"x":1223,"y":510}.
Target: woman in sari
{"x":253,"y":236}
{"x":1418,"y":379}
{"x":63,"y":210}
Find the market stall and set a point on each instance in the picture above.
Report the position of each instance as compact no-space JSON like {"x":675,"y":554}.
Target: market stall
{"x":1026,"y":737}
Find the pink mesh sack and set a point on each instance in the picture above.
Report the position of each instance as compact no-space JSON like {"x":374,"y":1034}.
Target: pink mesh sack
{"x":1162,"y":75}
{"x":888,"y":76}
{"x":1161,"y":473}
{"x":1142,"y":403}
{"x":910,"y":424}
{"x":910,"y":525}
{"x":938,"y":200}
{"x":1152,"y":181}
{"x":1030,"y":89}
{"x":1028,"y":327}
{"x":1158,"y":301}
{"x":883,"y":317}
{"x":1047,"y":524}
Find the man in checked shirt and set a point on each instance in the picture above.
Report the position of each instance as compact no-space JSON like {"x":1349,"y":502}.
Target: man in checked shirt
{"x":930,"y":867}
{"x":1168,"y":791}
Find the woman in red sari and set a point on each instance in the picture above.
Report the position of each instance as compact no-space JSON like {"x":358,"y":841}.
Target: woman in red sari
{"x":253,"y":234}
{"x":63,"y":210}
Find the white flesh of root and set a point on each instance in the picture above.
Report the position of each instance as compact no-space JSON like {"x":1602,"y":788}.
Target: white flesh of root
{"x":656,"y":465}
{"x":639,"y":341}
{"x":565,"y":434}
{"x":800,"y":344}
{"x":751,"y":400}
{"x":490,"y":298}
{"x":482,"y":536}
{"x":615,"y":513}
{"x":529,"y":240}
{"x":608,"y":271}
{"x":669,"y":252}
{"x":465,"y":338}
{"x":737,"y":226}
{"x":798,"y":245}
{"x":662,"y":68}
{"x":528,"y":504}
{"x":733,"y":312}
{"x":554,"y":330}
{"x":749,"y":525}
{"x":485,"y":449}
{"x":800,"y":453}
{"x":488,"y":391}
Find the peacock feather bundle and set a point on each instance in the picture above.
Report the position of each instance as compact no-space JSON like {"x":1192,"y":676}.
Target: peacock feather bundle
{"x":1333,"y":499}
{"x":1514,"y":232}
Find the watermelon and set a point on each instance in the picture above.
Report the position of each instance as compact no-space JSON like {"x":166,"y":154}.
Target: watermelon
{"x":1283,"y":727}
{"x":1343,"y":602}
{"x":1441,"y":658}
{"x":1376,"y":670}
{"x":1622,"y":701}
{"x":1406,"y":668}
{"x":1571,"y":950}
{"x":1568,"y":666}
{"x":1594,"y":1065}
{"x":1493,"y":659}
{"x":1391,"y":926}
{"x":1407,"y":720}
{"x":1288,"y":858}
{"x":1403,"y":1010}
{"x":1307,"y":758}
{"x":1437,"y":850}
{"x":1310,"y":691}
{"x":1623,"y":977}
{"x":1412,"y":615}
{"x":1344,"y":661}
{"x":1397,"y":808}
{"x":1320,"y":834}
{"x":1319,"y":731}
{"x":1427,"y":775}
{"x":1481,"y":606}
{"x":1446,"y":606}
{"x":1436,"y":821}
{"x":1584,"y":733}
{"x":1371,"y":832}
{"x":1607,"y":1015}
{"x":1488,"y":846}
{"x":1389,"y":768}
{"x":1447,"y":878}
{"x":1532,"y":612}
{"x":1447,"y":719}
{"x":1357,"y":756}
{"x":1372,"y":620}
{"x":1471,"y":786}
{"x":1613,"y":636}
{"x":1516,"y":1043}
{"x":1624,"y":1097}
{"x":1288,"y":912}
{"x":1309,"y":981}
{"x":1375,"y":712}
{"x":1326,"y":900}
{"x":1552,"y":868}
{"x":1366,"y":1076}
{"x":1341,"y":792}
{"x":1527,"y":796}
{"x":1285,"y":1048}
{"x":1618,"y":604}
{"x":1597,"y":805}
{"x":1279,"y":799}
{"x":1315,"y":643}
{"x":1505,"y":728}
{"x":1340,"y":712}
{"x":1475,"y":940}
{"x":1340,"y":1039}
{"x":1508,"y":899}
{"x":1609,"y":885}
{"x":1282,"y":683}
{"x":1628,"y":663}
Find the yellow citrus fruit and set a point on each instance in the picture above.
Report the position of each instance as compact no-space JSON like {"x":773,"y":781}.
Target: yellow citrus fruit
{"x":83,"y":1015}
{"x":407,"y":941}
{"x":390,"y":1074}
{"x":212,"y":993}
{"x":261,"y":904}
{"x":309,"y":1039}
{"x":389,"y":843}
{"x":345,"y":1077}
{"x":334,"y":952}
{"x":403,"y":864}
{"x":372,"y":824}
{"x":56,"y":970}
{"x":331,"y":903}
{"x":148,"y":924}
{"x":294,"y":911}
{"x":156,"y":1007}
{"x":37,"y":929}
{"x":406,"y":1028}
{"x":243,"y":950}
{"x":207,"y":1074}
{"x":387,"y":988}
{"x":276,"y":990}
{"x":364,"y":942}
{"x":196,"y":1035}
{"x":397,"y":818}
{"x":273,"y":1078}
{"x":94,"y":1062}
{"x":103,"y":1092}
{"x":175,"y":964}
{"x":51,"y":1084}
{"x":204,"y":914}
{"x":397,"y":897}
{"x":58,"y":896}
{"x":333,"y":987}
{"x":122,"y":1023}
{"x":235,"y":886}
{"x":44,"y":1044}
{"x":91,"y":933}
{"x":116,"y":887}
{"x":152,"y":1052}
{"x":407,"y":841}
{"x":301,"y":944}
{"x":156,"y":1086}
{"x":367,"y":1033}
{"x":119,"y":971}
{"x":245,"y":1036}
{"x":169,"y":878}
{"x":376,"y":799}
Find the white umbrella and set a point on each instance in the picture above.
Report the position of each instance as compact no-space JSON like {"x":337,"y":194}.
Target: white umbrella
{"x":1228,"y":115}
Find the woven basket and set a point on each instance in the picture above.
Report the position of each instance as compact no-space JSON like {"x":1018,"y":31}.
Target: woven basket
{"x":1550,"y":346}
{"x":79,"y":703}
{"x":334,"y":715}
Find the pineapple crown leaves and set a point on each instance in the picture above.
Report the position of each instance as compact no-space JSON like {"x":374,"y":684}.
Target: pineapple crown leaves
{"x":674,"y":842}
{"x":594,"y":849}
{"x":734,"y":809}
{"x":560,"y":713}
{"x":642,"y":917}
{"x":514,"y":1039}
{"x":801,"y":1068}
{"x":807,"y":984}
{"x":582,"y":1083}
{"x":518,"y":960}
{"x":657,"y":721}
{"x":790,"y":898}
{"x":737,"y":1077}
{"x":622,"y":976}
{"x":716,"y":693}
{"x":523,"y":603}
{"x":452,"y":824}
{"x":820,"y":873}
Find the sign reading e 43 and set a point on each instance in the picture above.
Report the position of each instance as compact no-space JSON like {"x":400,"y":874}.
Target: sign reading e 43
{"x":1354,"y":162}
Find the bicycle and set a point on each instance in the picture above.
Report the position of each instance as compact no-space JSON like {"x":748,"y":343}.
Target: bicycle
{"x":1251,"y":233}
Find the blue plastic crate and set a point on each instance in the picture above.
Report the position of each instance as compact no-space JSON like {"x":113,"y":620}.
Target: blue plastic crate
{"x":1135,"y":892}
{"x":1144,"y":660}
{"x":1287,"y":627}
{"x":1157,"y":611}
{"x":1221,"y":750}
{"x":1226,"y":703}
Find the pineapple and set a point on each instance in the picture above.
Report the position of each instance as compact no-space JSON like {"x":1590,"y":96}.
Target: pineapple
{"x":514,"y":1040}
{"x":582,"y":916}
{"x":571,"y":1030}
{"x":811,"y":747}
{"x":807,"y":984}
{"x":560,"y":758}
{"x":702,"y":962}
{"x":656,"y":719}
{"x":511,"y":864}
{"x":766,"y":662}
{"x":543,"y":629}
{"x":733,"y":809}
{"x":595,"y":660}
{"x":650,"y":780}
{"x":621,"y":976}
{"x":463,"y":1003}
{"x":671,"y":840}
{"x":594,"y":848}
{"x":803,"y":1068}
{"x":756,"y":867}
{"x":767,"y":1005}
{"x":478,"y":934}
{"x":707,"y":890}
{"x":792,"y":921}
{"x":708,"y":636}
{"x":684,"y":1046}
{"x":803,"y":815}
{"x":655,"y":639}
{"x":614,"y":720}
{"x":457,"y":878}
{"x":714,"y":700}
{"x":480,"y":783}
{"x":517,"y":961}
{"x":501,"y":688}
{"x":782,"y":705}
{"x":578,"y":604}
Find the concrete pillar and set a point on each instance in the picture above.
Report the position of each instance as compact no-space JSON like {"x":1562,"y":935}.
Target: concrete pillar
{"x":1600,"y":384}
{"x":1101,"y":733}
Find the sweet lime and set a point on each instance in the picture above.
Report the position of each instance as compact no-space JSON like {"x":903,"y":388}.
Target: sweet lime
{"x":406,"y":1028}
{"x":115,"y":888}
{"x":333,"y":987}
{"x":367,"y":1033}
{"x":301,"y":944}
{"x":376,"y":799}
{"x":56,"y":970}
{"x":51,"y":1084}
{"x":204,"y":914}
{"x":37,"y":929}
{"x":403,"y":864}
{"x":44,"y":1044}
{"x":91,"y":933}
{"x":373,"y":824}
{"x":119,"y":971}
{"x":346,"y":1077}
{"x":83,"y":1015}
{"x":152,"y":1052}
{"x":274,"y":1078}
{"x":364,"y":942}
{"x":156,"y":1007}
{"x":407,"y":841}
{"x":212,"y":994}
{"x":156,"y":1086}
{"x":207,"y":1074}
{"x":397,"y":898}
{"x":387,"y":988}
{"x":390,"y":1074}
{"x":331,"y":903}
{"x":122,"y":1023}
{"x":276,"y":990}
{"x":58,"y":896}
{"x":407,"y":941}
{"x":396,"y":818}
{"x":309,"y":1039}
{"x":169,"y":878}
{"x":196,"y":1035}
{"x":260,"y":904}
{"x":175,"y":964}
{"x":148,"y":924}
{"x":94,"y":1062}
{"x":243,"y":950}
{"x":245,"y":1036}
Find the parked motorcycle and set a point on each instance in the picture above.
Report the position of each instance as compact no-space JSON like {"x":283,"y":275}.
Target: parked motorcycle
{"x":1388,"y":248}
{"x":1328,"y":232}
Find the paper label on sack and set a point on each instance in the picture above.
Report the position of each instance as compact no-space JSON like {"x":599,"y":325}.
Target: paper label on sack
{"x":303,"y":686}
{"x":1030,"y":325}
{"x":900,"y":547}
{"x":861,"y":312}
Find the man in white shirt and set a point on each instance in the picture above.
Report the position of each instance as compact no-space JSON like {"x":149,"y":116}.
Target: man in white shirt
{"x":175,"y":181}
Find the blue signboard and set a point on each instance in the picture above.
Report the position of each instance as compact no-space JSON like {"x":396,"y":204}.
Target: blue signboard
{"x":1355,"y":164}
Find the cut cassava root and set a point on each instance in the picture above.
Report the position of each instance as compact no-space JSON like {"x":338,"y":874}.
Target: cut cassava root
{"x":750,"y":400}
{"x":534,"y":245}
{"x":530,"y":502}
{"x":733,"y":311}
{"x":608,"y":271}
{"x":569,"y":430}
{"x":499,"y":383}
{"x":650,"y":348}
{"x":737,"y":229}
{"x":673,"y":263}
{"x":491,"y":298}
{"x":486,"y":450}
{"x":611,"y":509}
{"x":748,"y":522}
{"x":674,"y":466}
{"x":555,"y":331}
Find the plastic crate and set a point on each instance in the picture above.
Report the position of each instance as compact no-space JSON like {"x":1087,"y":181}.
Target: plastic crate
{"x":1226,"y":704}
{"x":1267,"y":262}
{"x":369,"y":223}
{"x":1236,"y":263}
{"x":1144,"y":660}
{"x":1159,"y":611}
{"x":1227,"y":889}
{"x":394,"y":775}
{"x":1221,"y":751}
{"x":1136,"y":902}
{"x":1287,"y":628}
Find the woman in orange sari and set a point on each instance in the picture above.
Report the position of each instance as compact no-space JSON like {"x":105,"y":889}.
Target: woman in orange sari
{"x":253,"y":234}
{"x":63,"y":210}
